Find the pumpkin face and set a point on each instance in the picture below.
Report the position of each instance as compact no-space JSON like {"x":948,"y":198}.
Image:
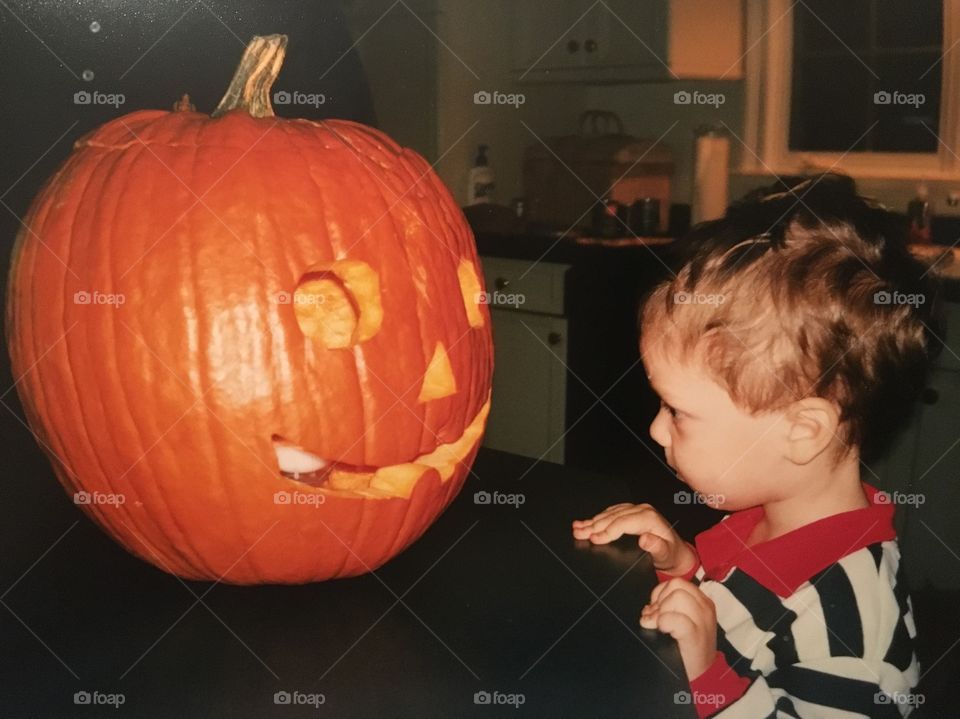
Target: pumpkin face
{"x":254,"y":343}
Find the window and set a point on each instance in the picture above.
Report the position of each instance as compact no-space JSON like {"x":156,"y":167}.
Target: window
{"x":855,"y":86}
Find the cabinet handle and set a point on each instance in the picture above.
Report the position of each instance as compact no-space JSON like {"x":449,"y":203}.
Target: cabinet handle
{"x":590,"y":45}
{"x":572,"y":46}
{"x":929,"y":395}
{"x":554,"y":338}
{"x":501,"y":283}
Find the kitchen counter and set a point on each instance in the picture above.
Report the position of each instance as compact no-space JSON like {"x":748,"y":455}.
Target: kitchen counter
{"x":656,"y":252}
{"x":493,"y":598}
{"x":572,"y":250}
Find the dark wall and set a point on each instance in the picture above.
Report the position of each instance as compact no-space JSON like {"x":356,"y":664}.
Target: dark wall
{"x":151,"y":52}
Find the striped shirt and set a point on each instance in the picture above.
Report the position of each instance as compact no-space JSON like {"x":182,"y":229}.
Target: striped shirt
{"x":814,"y":623}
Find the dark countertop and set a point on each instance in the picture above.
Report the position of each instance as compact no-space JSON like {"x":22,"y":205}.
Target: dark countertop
{"x":654,"y":253}
{"x":491,"y":598}
{"x":566,"y":250}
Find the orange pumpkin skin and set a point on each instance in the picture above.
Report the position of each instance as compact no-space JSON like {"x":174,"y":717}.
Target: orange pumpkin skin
{"x":171,"y":398}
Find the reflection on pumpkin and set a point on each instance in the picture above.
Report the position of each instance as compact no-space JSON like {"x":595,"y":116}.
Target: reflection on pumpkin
{"x":295,"y":385}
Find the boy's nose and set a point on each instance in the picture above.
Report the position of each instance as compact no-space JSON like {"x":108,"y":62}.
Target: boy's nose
{"x":658,"y":428}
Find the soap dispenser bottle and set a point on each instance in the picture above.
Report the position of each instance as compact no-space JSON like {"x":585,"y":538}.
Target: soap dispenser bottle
{"x":480,"y":181}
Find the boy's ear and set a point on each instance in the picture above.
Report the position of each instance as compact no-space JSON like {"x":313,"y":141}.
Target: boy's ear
{"x":813,"y":423}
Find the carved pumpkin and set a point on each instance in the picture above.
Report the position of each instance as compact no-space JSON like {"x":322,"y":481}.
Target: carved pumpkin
{"x":251,"y":347}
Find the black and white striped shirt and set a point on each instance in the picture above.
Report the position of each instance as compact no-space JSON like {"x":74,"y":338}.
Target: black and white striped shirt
{"x":814,"y":623}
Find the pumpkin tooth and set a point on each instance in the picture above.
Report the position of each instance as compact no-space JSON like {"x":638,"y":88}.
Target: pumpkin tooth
{"x":294,"y":459}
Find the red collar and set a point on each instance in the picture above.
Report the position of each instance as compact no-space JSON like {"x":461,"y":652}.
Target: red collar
{"x":784,"y":563}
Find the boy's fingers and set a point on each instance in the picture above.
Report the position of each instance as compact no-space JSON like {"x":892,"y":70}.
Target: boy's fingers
{"x":685,"y":597}
{"x":615,"y":511}
{"x":679,"y":626}
{"x":608,"y":511}
{"x":670,"y":585}
{"x":629,"y":520}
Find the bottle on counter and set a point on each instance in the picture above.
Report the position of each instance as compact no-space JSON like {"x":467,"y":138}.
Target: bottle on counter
{"x":918,"y":217}
{"x":480,"y":181}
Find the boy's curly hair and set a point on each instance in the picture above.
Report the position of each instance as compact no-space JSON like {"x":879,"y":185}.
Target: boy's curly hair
{"x":807,"y":292}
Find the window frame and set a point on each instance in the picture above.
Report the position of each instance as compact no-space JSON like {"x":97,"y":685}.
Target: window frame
{"x":769,"y":72}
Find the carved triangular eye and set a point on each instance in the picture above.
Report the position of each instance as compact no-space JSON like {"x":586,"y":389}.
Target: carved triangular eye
{"x":438,"y":380}
{"x":472,"y":292}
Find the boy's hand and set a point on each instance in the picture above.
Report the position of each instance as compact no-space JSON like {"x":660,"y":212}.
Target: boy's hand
{"x":669,"y":552}
{"x":679,"y":608}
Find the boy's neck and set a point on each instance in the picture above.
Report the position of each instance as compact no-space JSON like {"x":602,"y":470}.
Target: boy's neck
{"x":834,"y":492}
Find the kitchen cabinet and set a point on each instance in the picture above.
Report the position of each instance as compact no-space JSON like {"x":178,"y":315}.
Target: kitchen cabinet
{"x":627,"y":41}
{"x":920,"y":471}
{"x":529,"y":385}
{"x":568,"y":384}
{"x":528,"y":412}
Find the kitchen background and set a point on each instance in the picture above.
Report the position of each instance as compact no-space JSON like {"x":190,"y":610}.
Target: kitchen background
{"x":425,"y":58}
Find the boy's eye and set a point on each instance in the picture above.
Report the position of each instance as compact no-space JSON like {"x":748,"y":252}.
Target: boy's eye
{"x":673,"y":413}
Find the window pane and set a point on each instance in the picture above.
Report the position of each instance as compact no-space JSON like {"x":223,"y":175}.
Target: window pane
{"x":917,"y":23}
{"x":822,"y":24}
{"x":875,"y":69}
{"x":914,"y":102}
{"x":830,"y":106}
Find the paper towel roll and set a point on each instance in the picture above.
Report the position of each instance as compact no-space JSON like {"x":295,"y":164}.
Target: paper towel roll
{"x":711,"y":176}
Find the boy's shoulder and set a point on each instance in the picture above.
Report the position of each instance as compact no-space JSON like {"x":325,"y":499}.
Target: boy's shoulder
{"x":856,"y":540}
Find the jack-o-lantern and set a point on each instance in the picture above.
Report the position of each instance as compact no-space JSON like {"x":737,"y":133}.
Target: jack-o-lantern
{"x":253,"y":348}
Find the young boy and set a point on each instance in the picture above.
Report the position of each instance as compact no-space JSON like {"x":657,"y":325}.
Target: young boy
{"x":783,"y":353}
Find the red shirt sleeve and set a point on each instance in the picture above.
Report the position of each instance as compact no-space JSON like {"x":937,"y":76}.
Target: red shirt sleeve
{"x":663,"y":577}
{"x":716,"y":687}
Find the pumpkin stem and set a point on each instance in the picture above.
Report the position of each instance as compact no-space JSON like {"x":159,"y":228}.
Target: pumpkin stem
{"x":250,"y":87}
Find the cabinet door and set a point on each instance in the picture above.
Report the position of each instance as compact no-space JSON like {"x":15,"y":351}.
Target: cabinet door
{"x":931,"y":544}
{"x":529,"y":385}
{"x":544,"y":35}
{"x":632,"y":34}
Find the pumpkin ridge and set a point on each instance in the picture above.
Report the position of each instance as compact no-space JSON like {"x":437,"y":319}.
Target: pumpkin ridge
{"x":166,"y":519}
{"x":221,"y":453}
{"x":56,"y":443}
{"x":106,"y":519}
{"x":400,"y":234}
{"x":320,"y":190}
{"x":142,"y":535}
{"x":359,"y":362}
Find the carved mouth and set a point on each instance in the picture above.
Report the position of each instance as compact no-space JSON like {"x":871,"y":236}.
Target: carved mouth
{"x":395,"y":480}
